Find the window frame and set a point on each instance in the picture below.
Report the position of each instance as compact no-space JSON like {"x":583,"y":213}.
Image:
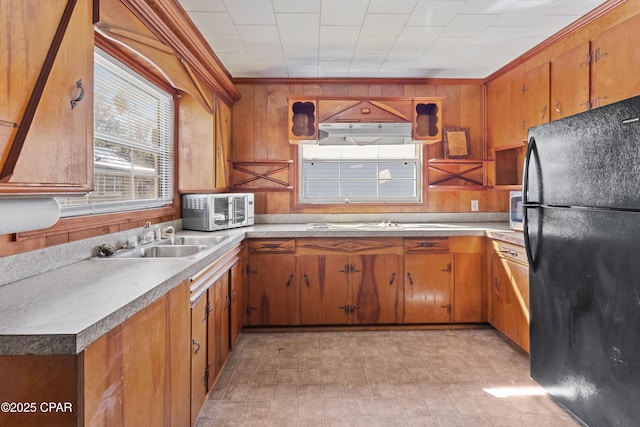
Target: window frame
{"x":149,"y":206}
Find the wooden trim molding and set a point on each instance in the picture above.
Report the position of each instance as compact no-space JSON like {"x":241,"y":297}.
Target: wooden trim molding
{"x":169,"y":21}
{"x":273,"y":167}
{"x":366,"y":81}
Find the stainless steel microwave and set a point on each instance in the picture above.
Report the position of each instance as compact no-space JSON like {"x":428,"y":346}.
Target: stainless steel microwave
{"x":209,"y":212}
{"x":515,"y":210}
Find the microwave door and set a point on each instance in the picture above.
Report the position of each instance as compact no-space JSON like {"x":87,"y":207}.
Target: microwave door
{"x":220,"y":215}
{"x":239,"y":207}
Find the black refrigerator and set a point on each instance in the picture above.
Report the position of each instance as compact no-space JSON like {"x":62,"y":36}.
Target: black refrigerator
{"x":581,"y":196}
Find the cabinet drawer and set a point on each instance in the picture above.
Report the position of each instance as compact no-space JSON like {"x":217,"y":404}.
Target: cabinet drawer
{"x":426,"y":244}
{"x":272,"y":246}
{"x":510,"y":251}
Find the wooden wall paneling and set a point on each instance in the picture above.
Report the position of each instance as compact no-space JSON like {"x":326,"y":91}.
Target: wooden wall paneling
{"x":260,"y":149}
{"x":277,"y":140}
{"x":396,"y":89}
{"x":359,"y":90}
{"x":374,"y":90}
{"x":471,"y":117}
{"x":177,"y":398}
{"x":242,"y":129}
{"x":196,"y":170}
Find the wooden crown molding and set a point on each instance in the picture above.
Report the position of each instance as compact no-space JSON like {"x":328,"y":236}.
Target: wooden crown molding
{"x":168,"y":20}
{"x":354,"y":80}
{"x":560,"y":35}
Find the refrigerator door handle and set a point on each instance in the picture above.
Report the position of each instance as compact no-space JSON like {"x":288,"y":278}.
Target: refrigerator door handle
{"x":532,"y":150}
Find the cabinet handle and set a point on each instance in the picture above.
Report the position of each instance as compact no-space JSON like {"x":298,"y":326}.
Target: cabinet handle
{"x":448,"y":307}
{"x":392,"y":279}
{"x":448,"y":269}
{"x":543,"y":112}
{"x":271,"y":245}
{"x":249,"y":310}
{"x":427,"y":245}
{"x":346,"y":269}
{"x":233,"y":296}
{"x":289,"y":281}
{"x":80,"y":97}
{"x":197,"y":345}
{"x":346,"y":309}
{"x":353,"y":269}
{"x":510,"y":252}
{"x":353,"y":308}
{"x":599,"y":55}
{"x":306,"y":280}
{"x":558,"y":107}
{"x":410,"y":278}
{"x":496,"y":284}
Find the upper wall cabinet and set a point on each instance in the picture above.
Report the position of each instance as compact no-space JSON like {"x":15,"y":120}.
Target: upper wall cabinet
{"x":304,"y":115}
{"x":615,"y":60}
{"x":46,"y":87}
{"x":570,"y":82}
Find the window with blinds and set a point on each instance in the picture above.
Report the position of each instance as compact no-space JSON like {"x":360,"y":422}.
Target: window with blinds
{"x":360,"y":174}
{"x":133,"y":143}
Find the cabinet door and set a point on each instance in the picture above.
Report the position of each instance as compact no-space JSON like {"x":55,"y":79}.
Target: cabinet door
{"x":57,"y":153}
{"x":218,"y":338}
{"x":324,"y":289}
{"x":376,"y":288}
{"x":272,"y":295}
{"x":570,"y":82}
{"x":468,"y":287}
{"x":536,"y":92}
{"x":196,"y":150}
{"x":516,"y":311}
{"x":236,"y":303}
{"x":428,"y":288}
{"x":497,"y":299}
{"x":615,"y":61}
{"x":198,"y":354}
{"x":223,"y":144}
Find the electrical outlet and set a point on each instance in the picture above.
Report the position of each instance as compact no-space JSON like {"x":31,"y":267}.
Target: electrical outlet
{"x":474,"y":206}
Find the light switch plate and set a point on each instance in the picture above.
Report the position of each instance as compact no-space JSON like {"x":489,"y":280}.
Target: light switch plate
{"x":474,"y":205}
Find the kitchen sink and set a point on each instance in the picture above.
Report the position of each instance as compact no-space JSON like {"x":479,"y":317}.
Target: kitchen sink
{"x":161,"y":251}
{"x":194,"y":240}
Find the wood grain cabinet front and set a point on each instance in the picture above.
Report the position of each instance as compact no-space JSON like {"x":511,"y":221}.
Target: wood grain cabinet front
{"x":46,"y":76}
{"x":350,"y":281}
{"x":271,"y":286}
{"x":509,"y":292}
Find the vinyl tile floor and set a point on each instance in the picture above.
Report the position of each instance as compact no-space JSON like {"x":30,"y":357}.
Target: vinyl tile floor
{"x":443,"y":378}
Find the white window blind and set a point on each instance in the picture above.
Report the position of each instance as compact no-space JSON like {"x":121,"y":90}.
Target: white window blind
{"x":360,"y":174}
{"x":133,"y":143}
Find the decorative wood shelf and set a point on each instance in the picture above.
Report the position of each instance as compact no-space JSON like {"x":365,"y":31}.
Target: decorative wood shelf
{"x":259,"y":172}
{"x":457,"y":174}
{"x":508,"y":165}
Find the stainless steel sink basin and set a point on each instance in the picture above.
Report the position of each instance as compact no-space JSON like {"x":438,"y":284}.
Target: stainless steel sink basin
{"x":194,"y":240}
{"x":161,"y":251}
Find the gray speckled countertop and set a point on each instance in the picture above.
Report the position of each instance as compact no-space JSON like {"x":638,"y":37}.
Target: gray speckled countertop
{"x":64,"y":310}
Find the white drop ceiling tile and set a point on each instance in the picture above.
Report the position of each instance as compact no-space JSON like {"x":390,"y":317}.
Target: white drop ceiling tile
{"x":493,"y":35}
{"x":575,"y":7}
{"x":214,"y":23}
{"x":298,"y":24}
{"x":523,"y":16}
{"x":338,"y":53}
{"x":487,"y":7}
{"x":444,"y":45}
{"x":419,"y":37}
{"x":395,"y":66}
{"x":301,"y":59}
{"x":393,"y":6}
{"x":292,"y":44}
{"x":267,"y":70}
{"x":296,"y":6}
{"x":266,"y":53}
{"x":259,"y":34}
{"x":338,"y":35}
{"x":549,"y":24}
{"x":434,"y":61}
{"x":343,"y":12}
{"x":375,"y":44}
{"x":333,"y":67}
{"x":434,"y":12}
{"x":203,"y":5}
{"x":364,"y":60}
{"x":402,"y":53}
{"x":221,"y":44}
{"x":303,"y":72}
{"x":468,"y":25}
{"x":379,"y":25}
{"x":250,"y":12}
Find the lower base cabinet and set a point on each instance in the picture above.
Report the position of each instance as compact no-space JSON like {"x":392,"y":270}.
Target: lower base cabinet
{"x":509,"y":292}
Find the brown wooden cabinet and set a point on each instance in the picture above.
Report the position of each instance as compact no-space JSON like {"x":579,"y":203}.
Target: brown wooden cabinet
{"x":350,"y":281}
{"x":536,"y":92}
{"x":570,"y":73}
{"x":47,"y":142}
{"x":509,"y":292}
{"x":304,"y":115}
{"x":428,"y":290}
{"x":212,"y":323}
{"x":272,"y":296}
